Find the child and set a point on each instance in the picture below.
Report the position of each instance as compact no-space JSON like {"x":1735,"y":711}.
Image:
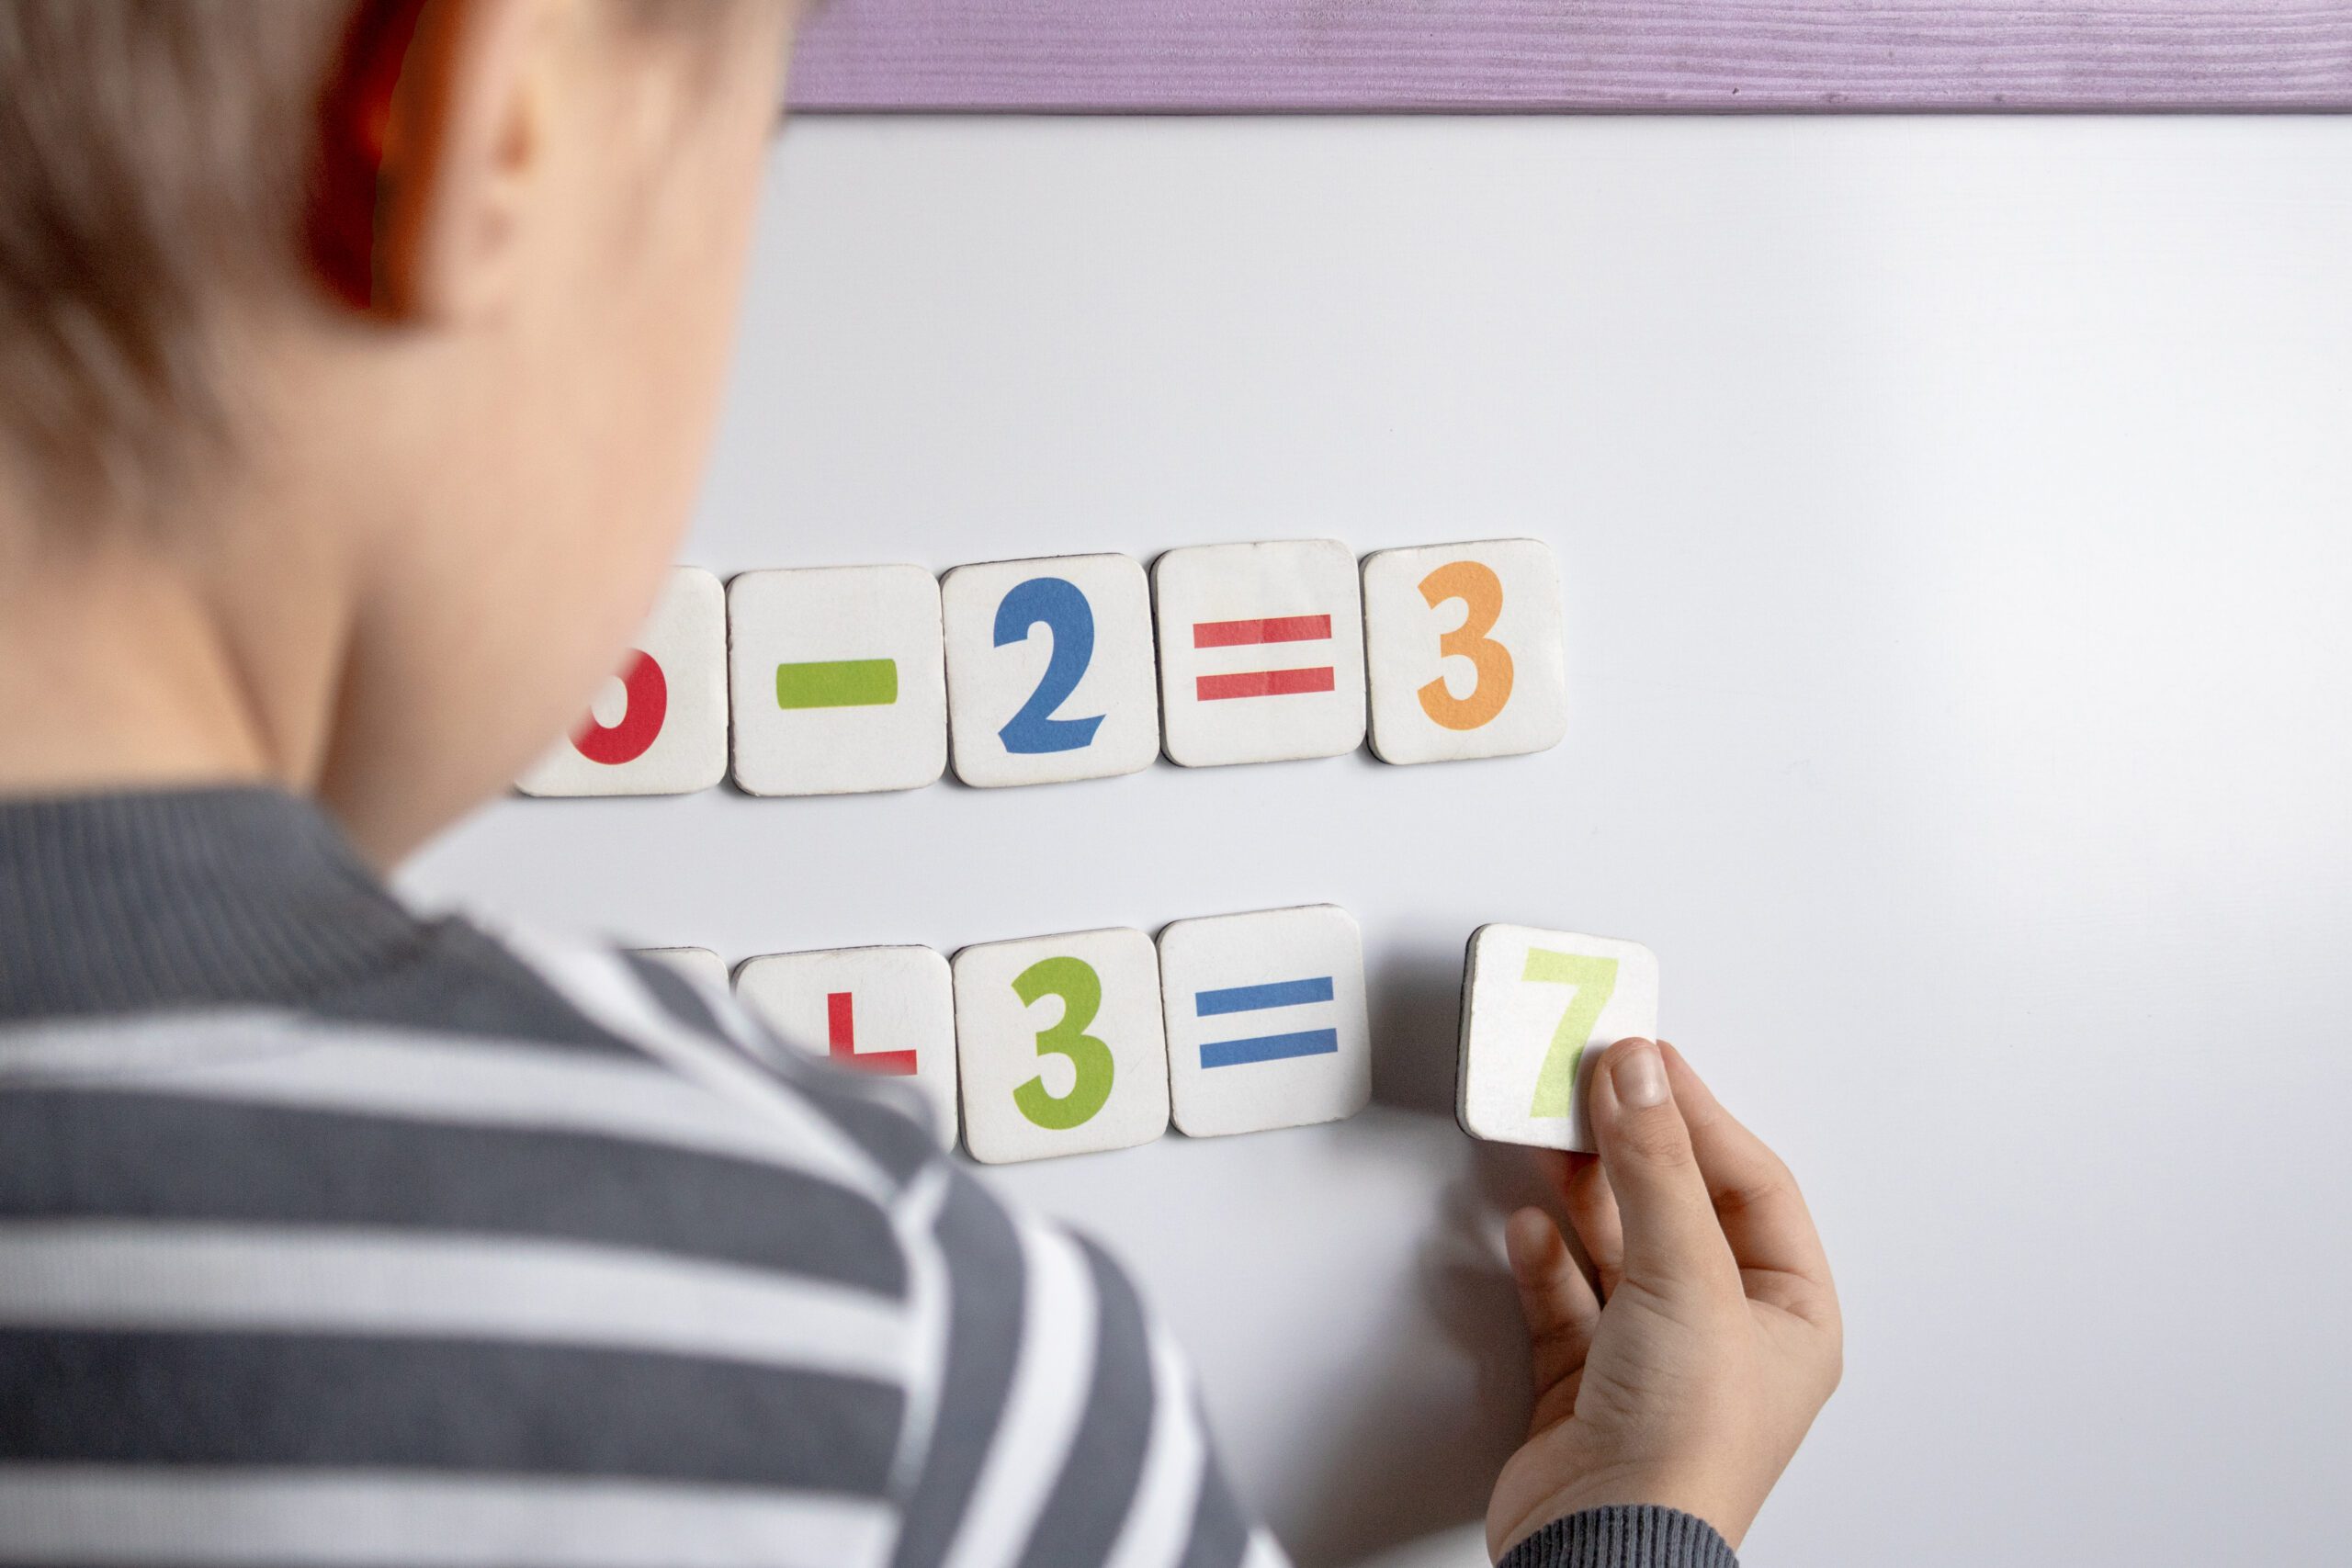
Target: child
{"x":351,"y":348}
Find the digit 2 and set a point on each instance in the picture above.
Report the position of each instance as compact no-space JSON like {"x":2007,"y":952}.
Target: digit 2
{"x":1481,"y":593}
{"x":1055,"y":604}
{"x":1081,"y":989}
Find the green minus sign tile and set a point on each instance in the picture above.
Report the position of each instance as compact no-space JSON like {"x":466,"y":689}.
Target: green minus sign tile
{"x":838,"y":684}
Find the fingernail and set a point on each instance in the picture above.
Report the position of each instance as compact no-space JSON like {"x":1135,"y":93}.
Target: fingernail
{"x":1527,"y":1237}
{"x":1638,"y":1073}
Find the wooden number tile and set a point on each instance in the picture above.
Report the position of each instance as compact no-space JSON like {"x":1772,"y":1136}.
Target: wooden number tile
{"x":886,"y":1010}
{"x":1538,"y":1007}
{"x":1261,"y":652}
{"x":1266,"y":1024}
{"x":1464,"y":645}
{"x":1061,"y":1045}
{"x":658,"y":725}
{"x":1049,"y":669}
{"x":838,"y":680}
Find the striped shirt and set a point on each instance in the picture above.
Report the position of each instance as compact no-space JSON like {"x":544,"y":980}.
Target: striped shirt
{"x":329,"y":1235}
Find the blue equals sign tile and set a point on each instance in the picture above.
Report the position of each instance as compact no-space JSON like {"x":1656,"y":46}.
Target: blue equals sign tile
{"x":1265,"y":998}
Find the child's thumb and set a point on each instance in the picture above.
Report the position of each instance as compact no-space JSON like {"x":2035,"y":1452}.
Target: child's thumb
{"x":1673,"y":1241}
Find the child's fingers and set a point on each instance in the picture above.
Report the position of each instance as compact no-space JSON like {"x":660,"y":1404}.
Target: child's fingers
{"x":1555,"y":1166}
{"x":1553,"y":1296}
{"x":1756,"y":1199}
{"x":1673,"y":1241}
{"x":1592,"y":1214}
{"x":1564,"y":1176}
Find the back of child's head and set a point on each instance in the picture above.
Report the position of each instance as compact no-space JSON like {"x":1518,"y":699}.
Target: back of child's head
{"x":154,"y":157}
{"x":363,"y":352}
{"x":158,"y":164}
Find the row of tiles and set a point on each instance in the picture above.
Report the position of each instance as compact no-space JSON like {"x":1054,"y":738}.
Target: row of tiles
{"x":1096,"y":1040}
{"x":848,"y":679}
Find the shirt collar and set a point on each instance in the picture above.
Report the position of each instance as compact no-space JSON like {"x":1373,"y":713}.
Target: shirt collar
{"x":153,"y":898}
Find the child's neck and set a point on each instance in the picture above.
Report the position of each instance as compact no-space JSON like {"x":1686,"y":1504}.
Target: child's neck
{"x":117,"y":672}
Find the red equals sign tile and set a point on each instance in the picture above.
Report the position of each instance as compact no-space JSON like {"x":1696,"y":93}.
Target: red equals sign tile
{"x":1262,"y":683}
{"x":840,"y":1037}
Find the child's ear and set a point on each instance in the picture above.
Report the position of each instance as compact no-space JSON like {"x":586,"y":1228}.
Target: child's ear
{"x":431,"y":144}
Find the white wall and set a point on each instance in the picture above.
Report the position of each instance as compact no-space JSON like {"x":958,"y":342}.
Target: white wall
{"x":1954,"y":521}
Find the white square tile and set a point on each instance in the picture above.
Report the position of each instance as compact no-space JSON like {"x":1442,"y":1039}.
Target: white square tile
{"x":887,"y":1011}
{"x":659,"y":726}
{"x":1049,"y":669}
{"x":1261,"y":651}
{"x":698,"y":965}
{"x":838,"y":680}
{"x":1465,"y":646}
{"x":1266,"y":1024}
{"x":1061,"y":1045}
{"x":1538,"y":1007}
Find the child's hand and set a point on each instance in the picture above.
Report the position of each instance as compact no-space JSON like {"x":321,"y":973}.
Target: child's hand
{"x":1690,"y":1378}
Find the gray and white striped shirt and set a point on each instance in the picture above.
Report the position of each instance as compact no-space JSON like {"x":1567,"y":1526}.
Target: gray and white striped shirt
{"x":332,"y":1235}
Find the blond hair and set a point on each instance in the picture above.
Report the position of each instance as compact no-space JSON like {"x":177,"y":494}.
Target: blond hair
{"x":156,"y":165}
{"x":153,"y":163}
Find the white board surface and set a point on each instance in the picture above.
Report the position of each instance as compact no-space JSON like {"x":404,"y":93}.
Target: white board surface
{"x":1951,"y":517}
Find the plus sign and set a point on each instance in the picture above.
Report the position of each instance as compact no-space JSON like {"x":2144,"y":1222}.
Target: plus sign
{"x":840,"y":1033}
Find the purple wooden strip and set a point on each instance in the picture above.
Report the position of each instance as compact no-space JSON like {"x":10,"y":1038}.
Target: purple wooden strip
{"x":1248,"y":56}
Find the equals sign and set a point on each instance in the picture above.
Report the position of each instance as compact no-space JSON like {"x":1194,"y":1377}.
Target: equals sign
{"x":1262,"y":683}
{"x":1265,"y":998}
{"x":841,"y":1039}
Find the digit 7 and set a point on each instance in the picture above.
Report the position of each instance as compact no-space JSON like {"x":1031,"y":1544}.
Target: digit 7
{"x":1594,"y":979}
